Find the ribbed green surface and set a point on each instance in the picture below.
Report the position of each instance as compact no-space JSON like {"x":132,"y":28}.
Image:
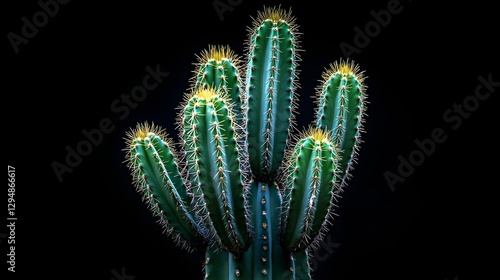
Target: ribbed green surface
{"x":341,"y":108}
{"x":270,"y":80}
{"x":269,"y":259}
{"x":302,"y":269}
{"x":309,"y":190}
{"x":214,"y":167}
{"x":217,"y":265}
{"x":159,"y":180}
{"x":265,"y":259}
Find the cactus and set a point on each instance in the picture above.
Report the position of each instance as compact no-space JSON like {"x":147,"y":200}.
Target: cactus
{"x":271,"y":79}
{"x":219,"y":67}
{"x":341,"y":108}
{"x":215,"y":160}
{"x":240,"y":186}
{"x":158,"y":177}
{"x":310,"y":188}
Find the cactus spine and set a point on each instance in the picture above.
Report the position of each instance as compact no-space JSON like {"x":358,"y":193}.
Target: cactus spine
{"x":255,"y":198}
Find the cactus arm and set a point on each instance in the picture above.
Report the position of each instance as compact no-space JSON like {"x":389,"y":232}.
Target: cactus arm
{"x":310,"y":186}
{"x":155,"y":169}
{"x":341,"y":107}
{"x":270,"y":89}
{"x":219,"y":67}
{"x":215,"y":168}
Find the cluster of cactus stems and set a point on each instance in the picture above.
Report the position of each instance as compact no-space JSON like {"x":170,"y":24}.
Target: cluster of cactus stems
{"x":242,"y":182}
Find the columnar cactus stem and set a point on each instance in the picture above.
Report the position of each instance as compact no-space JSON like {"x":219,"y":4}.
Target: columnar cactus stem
{"x":271,"y":80}
{"x":302,"y":269}
{"x":214,"y":164}
{"x":270,"y":260}
{"x":310,"y":185}
{"x":341,"y":102}
{"x":154,"y":166}
{"x":265,"y":259}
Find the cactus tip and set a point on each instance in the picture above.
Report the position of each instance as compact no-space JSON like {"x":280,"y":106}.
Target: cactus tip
{"x":142,"y":130}
{"x":318,"y":134}
{"x":217,"y":53}
{"x":345,"y":67}
{"x":275,"y":14}
{"x":206,"y":93}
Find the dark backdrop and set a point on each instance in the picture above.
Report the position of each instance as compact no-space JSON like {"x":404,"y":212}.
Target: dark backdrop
{"x":424,"y":65}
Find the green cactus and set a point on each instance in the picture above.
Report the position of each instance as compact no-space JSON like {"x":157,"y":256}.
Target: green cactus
{"x":341,"y":108}
{"x":215,"y":160}
{"x":310,"y":188}
{"x":219,"y":67}
{"x":158,"y":177}
{"x":241,"y":187}
{"x":271,"y":79}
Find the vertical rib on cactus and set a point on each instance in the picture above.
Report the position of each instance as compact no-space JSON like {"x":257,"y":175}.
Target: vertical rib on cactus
{"x":270,"y":260}
{"x":154,"y":167}
{"x":341,"y":102}
{"x":215,"y":167}
{"x":309,"y":191}
{"x":271,"y":79}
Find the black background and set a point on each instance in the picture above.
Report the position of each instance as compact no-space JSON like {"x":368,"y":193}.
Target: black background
{"x":434,"y":225}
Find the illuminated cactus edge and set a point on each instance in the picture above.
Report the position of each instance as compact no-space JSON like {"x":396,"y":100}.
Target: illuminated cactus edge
{"x":239,"y":185}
